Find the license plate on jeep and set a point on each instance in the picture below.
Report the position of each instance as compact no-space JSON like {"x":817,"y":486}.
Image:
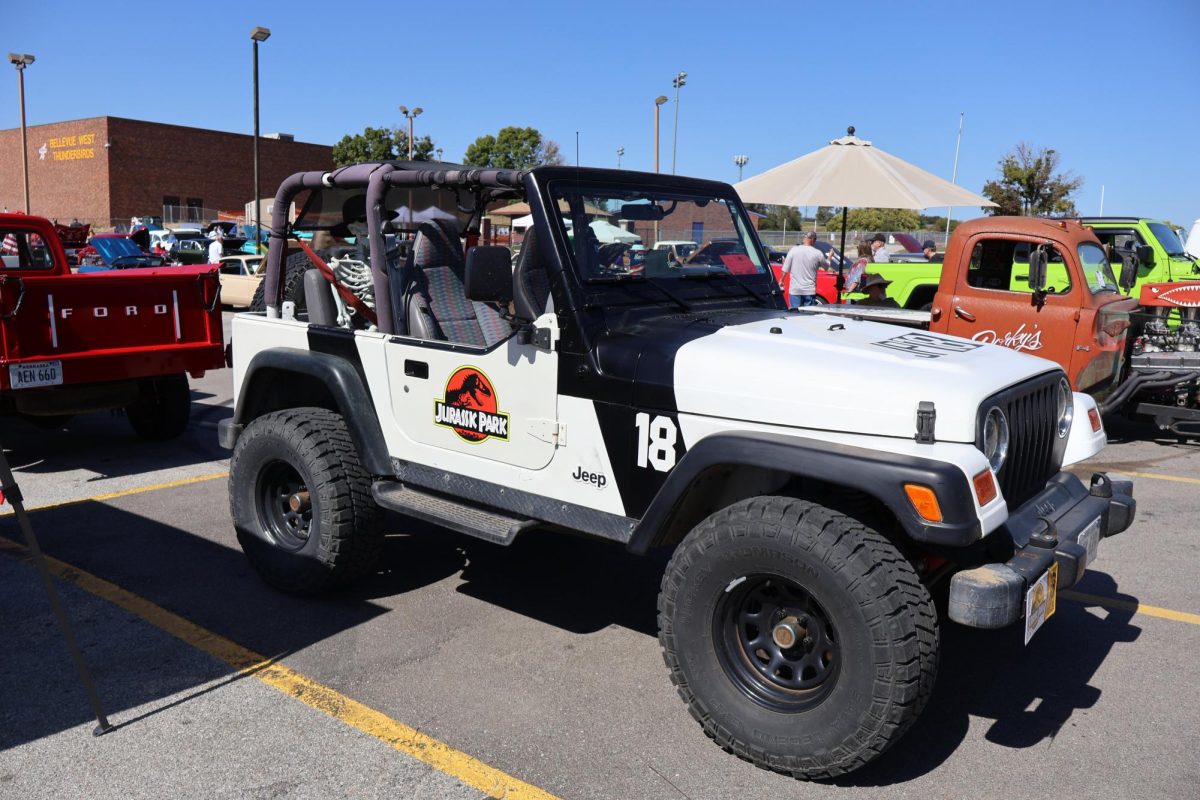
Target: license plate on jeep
{"x":1040,"y":601}
{"x":35,"y":373}
{"x":1090,"y":540}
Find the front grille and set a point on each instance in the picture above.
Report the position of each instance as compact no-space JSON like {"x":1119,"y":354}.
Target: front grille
{"x":1033,"y":451}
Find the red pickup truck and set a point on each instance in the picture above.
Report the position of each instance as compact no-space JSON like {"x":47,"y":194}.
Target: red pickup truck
{"x":124,"y":338}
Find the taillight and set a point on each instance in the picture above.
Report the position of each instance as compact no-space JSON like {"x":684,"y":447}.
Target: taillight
{"x":1094,"y":419}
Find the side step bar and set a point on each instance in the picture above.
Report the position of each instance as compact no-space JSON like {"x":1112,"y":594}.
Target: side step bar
{"x":492,"y":526}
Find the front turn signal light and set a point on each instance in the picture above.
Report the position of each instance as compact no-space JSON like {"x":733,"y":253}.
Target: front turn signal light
{"x":924,"y":501}
{"x":1094,"y":418}
{"x":985,"y":487}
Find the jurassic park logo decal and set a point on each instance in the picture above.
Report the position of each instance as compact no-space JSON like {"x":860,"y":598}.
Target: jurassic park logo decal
{"x":470,"y":407}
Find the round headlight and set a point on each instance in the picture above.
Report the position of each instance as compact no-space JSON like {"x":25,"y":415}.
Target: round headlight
{"x":1066,"y":407}
{"x":995,"y":438}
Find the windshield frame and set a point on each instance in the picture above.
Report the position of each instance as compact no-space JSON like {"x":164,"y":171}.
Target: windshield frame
{"x":567,"y":190}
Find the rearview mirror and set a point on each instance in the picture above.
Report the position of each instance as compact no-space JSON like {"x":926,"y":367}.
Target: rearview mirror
{"x":1037,"y":270}
{"x":1145,"y":254}
{"x":489,"y":277}
{"x":651,"y":212}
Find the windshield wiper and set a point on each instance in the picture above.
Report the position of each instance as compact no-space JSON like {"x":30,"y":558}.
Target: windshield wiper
{"x":724,"y":273}
{"x":629,"y":278}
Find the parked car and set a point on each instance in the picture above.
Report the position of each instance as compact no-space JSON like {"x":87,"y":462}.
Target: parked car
{"x":682,"y":248}
{"x":240,"y":278}
{"x":107,"y":251}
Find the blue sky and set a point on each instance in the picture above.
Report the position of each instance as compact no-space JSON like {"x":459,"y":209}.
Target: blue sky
{"x":1112,"y":86}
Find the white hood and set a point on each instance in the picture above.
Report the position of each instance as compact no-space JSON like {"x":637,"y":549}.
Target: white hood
{"x":841,"y":374}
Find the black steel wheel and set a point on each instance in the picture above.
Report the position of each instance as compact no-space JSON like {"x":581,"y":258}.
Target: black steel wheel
{"x":799,"y":639}
{"x":301,"y":501}
{"x":284,"y":505}
{"x":776,"y":642}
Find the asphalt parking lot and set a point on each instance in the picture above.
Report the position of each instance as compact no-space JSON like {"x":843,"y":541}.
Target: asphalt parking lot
{"x":467,"y":670}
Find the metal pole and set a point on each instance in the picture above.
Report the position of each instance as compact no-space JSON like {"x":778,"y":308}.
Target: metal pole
{"x":12,"y":494}
{"x":842,"y":261}
{"x":576,"y":148}
{"x":1102,"y":200}
{"x":24,"y":144}
{"x":257,"y":192}
{"x":954,"y":174}
{"x":679,"y":82}
{"x":410,"y":135}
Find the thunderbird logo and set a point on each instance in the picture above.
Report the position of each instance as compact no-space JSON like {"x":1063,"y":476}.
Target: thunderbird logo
{"x":469,"y":407}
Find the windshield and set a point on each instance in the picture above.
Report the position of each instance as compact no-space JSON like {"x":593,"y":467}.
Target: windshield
{"x":604,"y":223}
{"x":1167,"y":238}
{"x":1096,"y":270}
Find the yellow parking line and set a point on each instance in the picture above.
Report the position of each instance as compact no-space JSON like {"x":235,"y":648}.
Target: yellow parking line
{"x":410,"y":741}
{"x":1157,"y":476}
{"x":1127,"y":605}
{"x":212,"y":476}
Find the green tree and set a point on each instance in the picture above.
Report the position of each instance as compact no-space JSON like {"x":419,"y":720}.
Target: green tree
{"x":380,"y":144}
{"x":1030,"y":185}
{"x":512,"y":148}
{"x":826,"y":213}
{"x":775,"y":217}
{"x":879,"y":219}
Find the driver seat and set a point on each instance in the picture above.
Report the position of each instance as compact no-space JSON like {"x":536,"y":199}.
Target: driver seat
{"x":436,"y":305}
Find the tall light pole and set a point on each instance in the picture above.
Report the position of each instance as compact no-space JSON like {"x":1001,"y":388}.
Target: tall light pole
{"x":679,"y":81}
{"x":21,"y":61}
{"x":439,"y":154}
{"x":658,"y":101}
{"x":741,"y":162}
{"x":954,"y":174}
{"x":620,"y":152}
{"x":259,"y":34}
{"x":410,"y":116}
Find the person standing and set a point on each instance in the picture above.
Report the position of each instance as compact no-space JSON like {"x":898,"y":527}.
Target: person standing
{"x":879,"y":253}
{"x":876,"y":288}
{"x":930,"y":251}
{"x":215,"y":248}
{"x":801,"y":264}
{"x":855,"y":275}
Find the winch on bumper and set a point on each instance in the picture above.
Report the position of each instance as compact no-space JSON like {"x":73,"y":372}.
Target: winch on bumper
{"x":1061,"y":525}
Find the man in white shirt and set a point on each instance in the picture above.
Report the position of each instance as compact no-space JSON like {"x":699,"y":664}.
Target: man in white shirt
{"x":879,"y":253}
{"x":802,"y":263}
{"x":216,"y":249}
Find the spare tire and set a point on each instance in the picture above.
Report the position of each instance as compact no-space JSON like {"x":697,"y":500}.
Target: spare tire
{"x":294,"y":268}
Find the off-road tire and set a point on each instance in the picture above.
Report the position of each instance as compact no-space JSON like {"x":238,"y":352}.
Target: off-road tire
{"x":163,"y":413}
{"x":294,"y":268}
{"x":881,"y":624}
{"x":342,"y":540}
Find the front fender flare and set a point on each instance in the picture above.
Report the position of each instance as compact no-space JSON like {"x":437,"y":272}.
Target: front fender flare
{"x":880,"y":474}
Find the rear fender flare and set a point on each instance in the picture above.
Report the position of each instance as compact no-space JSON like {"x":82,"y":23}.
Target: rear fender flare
{"x":348,"y":395}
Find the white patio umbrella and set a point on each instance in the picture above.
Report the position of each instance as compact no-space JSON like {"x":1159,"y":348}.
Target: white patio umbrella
{"x":608,"y":233}
{"x":853,"y":172}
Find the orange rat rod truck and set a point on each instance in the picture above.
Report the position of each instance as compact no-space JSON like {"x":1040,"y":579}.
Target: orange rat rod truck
{"x":1133,"y":354}
{"x":123,"y":338}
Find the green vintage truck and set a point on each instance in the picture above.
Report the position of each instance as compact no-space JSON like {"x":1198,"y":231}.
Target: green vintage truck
{"x":1161,"y":258}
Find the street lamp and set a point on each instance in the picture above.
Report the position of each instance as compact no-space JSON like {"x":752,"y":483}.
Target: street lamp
{"x":439,"y":154}
{"x":21,"y":61}
{"x":658,"y":101}
{"x":741,"y":162}
{"x":410,"y":116}
{"x":679,"y":81}
{"x":620,"y":152}
{"x":259,"y":34}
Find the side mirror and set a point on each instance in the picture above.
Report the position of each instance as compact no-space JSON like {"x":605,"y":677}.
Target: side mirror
{"x":489,"y":275}
{"x":1128,"y":277}
{"x":1037,"y":270}
{"x":1145,"y":254}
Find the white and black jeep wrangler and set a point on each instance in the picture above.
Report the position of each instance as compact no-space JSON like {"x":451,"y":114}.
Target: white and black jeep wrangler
{"x":815,"y":476}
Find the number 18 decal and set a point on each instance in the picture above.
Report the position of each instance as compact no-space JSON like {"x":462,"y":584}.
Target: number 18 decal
{"x":655,"y":441}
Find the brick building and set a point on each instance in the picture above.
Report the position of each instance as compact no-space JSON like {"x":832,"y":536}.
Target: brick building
{"x":104,"y":170}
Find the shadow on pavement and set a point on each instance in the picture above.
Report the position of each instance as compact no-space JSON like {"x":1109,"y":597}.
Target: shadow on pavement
{"x":1029,"y":693}
{"x":104,"y":443}
{"x":207,"y":583}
